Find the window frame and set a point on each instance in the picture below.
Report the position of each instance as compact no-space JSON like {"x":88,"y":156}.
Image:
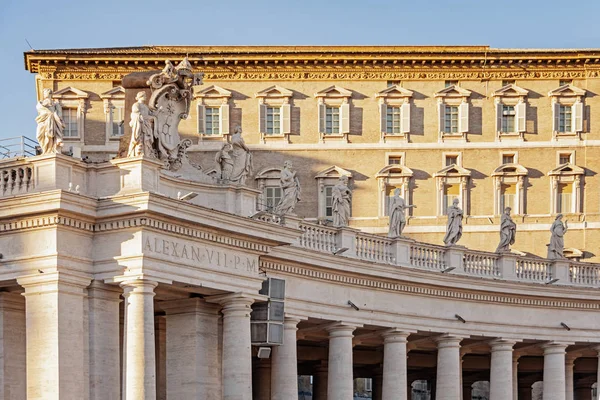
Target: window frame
{"x":568,"y":96}
{"x":328,"y":177}
{"x":332,"y":97}
{"x":511,"y":95}
{"x":394,"y":97}
{"x":213,"y":97}
{"x":114,"y":99}
{"x":275,"y":97}
{"x":453,"y":96}
{"x":76,"y":99}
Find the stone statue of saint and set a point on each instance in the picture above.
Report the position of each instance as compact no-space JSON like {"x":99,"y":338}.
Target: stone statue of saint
{"x":242,"y":158}
{"x":454,"y":225}
{"x":341,"y":197}
{"x":290,"y":187}
{"x":143,"y":128}
{"x":397,"y":213}
{"x":508,"y":231}
{"x":49,"y":124}
{"x":557,"y":240}
{"x":224,"y":162}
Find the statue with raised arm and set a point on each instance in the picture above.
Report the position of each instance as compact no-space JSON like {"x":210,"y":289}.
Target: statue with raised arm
{"x":454,"y":225}
{"x":508,"y":232}
{"x":242,"y":158}
{"x":290,"y":188}
{"x":557,"y":240}
{"x":224,"y":162}
{"x":143,"y":129}
{"x":397,"y":213}
{"x":341,"y":197}
{"x":49,"y":124}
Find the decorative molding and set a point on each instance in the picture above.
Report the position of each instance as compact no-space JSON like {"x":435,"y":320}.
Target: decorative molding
{"x":423,"y":290}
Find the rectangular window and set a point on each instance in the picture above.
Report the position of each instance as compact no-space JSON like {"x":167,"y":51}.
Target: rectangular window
{"x":564,"y":118}
{"x":508,"y":158}
{"x":118,"y":121}
{"x":328,"y":201}
{"x":451,"y":160}
{"x":272,"y":197}
{"x":507,"y":196}
{"x":451,"y":119}
{"x":211,"y":121}
{"x":69,"y":116}
{"x":565,"y":195}
{"x":564,"y":82}
{"x":393,"y":120}
{"x":392,"y":83}
{"x":368,"y":384}
{"x":508,"y":82}
{"x":508,"y":118}
{"x":273,"y":120}
{"x":564,"y":158}
{"x":451,"y":192}
{"x":450,"y":83}
{"x":393,"y":160}
{"x":332,"y":120}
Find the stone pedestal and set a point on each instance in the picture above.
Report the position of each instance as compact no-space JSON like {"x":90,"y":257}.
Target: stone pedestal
{"x":501,"y":371}
{"x":454,"y":257}
{"x":56,"y":333}
{"x":346,"y":238}
{"x":261,"y":386}
{"x":394,"y":365}
{"x":507,"y":264}
{"x":237,"y":352}
{"x":139,"y":341}
{"x":192,"y":349}
{"x":448,"y":368}
{"x":13,"y":374}
{"x":554,"y":371}
{"x":284,"y":363}
{"x":401,"y":251}
{"x":340,"y":382}
{"x":105,"y":366}
{"x":320,"y":383}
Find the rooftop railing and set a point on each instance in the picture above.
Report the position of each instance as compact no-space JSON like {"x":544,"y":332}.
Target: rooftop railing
{"x":18,"y":146}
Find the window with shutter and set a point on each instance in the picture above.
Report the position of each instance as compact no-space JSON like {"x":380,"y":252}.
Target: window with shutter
{"x":211,"y":118}
{"x":69,"y":117}
{"x":393,"y":120}
{"x":332,"y":120}
{"x":224,"y":119}
{"x":463,"y":111}
{"x":273,"y":121}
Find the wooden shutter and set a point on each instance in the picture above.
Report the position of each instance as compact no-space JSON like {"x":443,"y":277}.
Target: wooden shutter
{"x":577,"y":112}
{"x":521,"y":111}
{"x":345,"y":118}
{"x":441,"y":116}
{"x":224,"y":119}
{"x":555,"y":116}
{"x":262,"y":118}
{"x":499,"y":109}
{"x":463,"y":117}
{"x":286,"y":119}
{"x":383,"y":118}
{"x":321,"y":118}
{"x":405,"y":115}
{"x":201,"y":119}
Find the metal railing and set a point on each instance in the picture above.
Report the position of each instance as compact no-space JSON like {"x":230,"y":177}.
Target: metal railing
{"x":18,"y":146}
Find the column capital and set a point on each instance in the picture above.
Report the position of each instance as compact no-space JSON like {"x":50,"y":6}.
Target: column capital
{"x":555,"y":347}
{"x":100,"y":290}
{"x":502,"y":344}
{"x":341,"y":329}
{"x":193,"y":305}
{"x":571,"y":357}
{"x":50,"y":282}
{"x":395,"y":335}
{"x":448,"y":340}
{"x":233,"y":299}
{"x":291,"y":322}
{"x":137,"y":285}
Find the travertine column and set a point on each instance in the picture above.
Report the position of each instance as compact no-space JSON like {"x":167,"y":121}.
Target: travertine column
{"x":501,"y":370}
{"x":192,"y":349}
{"x":160,"y":342}
{"x":237,"y":352}
{"x":284,"y":363}
{"x":569,"y":366}
{"x":515,"y":369}
{"x":13,"y":373}
{"x":139,"y":341}
{"x":340,"y":385}
{"x":394,"y":365}
{"x":105,"y":361}
{"x":261,"y":386}
{"x":320,"y":382}
{"x":54,"y":313}
{"x":554,"y":371}
{"x":448,"y":368}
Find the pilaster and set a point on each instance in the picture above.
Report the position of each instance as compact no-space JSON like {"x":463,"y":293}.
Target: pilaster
{"x":13,"y":374}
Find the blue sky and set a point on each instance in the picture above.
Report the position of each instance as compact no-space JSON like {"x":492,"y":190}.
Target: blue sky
{"x":109,"y":23}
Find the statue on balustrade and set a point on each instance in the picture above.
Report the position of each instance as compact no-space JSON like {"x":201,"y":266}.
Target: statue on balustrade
{"x":49,"y":124}
{"x":557,"y":240}
{"x":397,"y":213}
{"x":341,"y":197}
{"x":454,"y":225}
{"x":508,"y":232}
{"x":224,"y":162}
{"x":143,"y":128}
{"x":242,"y":158}
{"x":290,"y":187}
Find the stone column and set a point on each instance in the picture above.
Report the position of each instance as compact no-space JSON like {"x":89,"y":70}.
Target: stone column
{"x":448,"y":367}
{"x":261,"y":385}
{"x":340,"y":383}
{"x":56,"y":330}
{"x":515,"y":370}
{"x":582,"y":392}
{"x":320,"y":382}
{"x":525,"y":390}
{"x":394,"y":365}
{"x":284,"y":363}
{"x":554,"y":371}
{"x":237,"y":351}
{"x":501,"y":370}
{"x":13,"y":374}
{"x":139,"y":341}
{"x":569,"y":366}
{"x":160,"y":334}
{"x":105,"y":361}
{"x":192,"y":349}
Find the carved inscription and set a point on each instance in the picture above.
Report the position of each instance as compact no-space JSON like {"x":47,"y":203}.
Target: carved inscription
{"x":212,"y":257}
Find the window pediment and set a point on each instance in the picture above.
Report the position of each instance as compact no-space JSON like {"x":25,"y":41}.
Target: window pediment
{"x":395,"y":171}
{"x":394,"y":92}
{"x":567,"y":169}
{"x":510,"y":170}
{"x":117,"y":93}
{"x":333,"y":172}
{"x":510,"y":90}
{"x":269,"y":173}
{"x":453,"y":170}
{"x":567,"y":90}
{"x":70,"y":93}
{"x":214,"y":91}
{"x":453,"y":91}
{"x":274,"y":91}
{"x":334,"y":92}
